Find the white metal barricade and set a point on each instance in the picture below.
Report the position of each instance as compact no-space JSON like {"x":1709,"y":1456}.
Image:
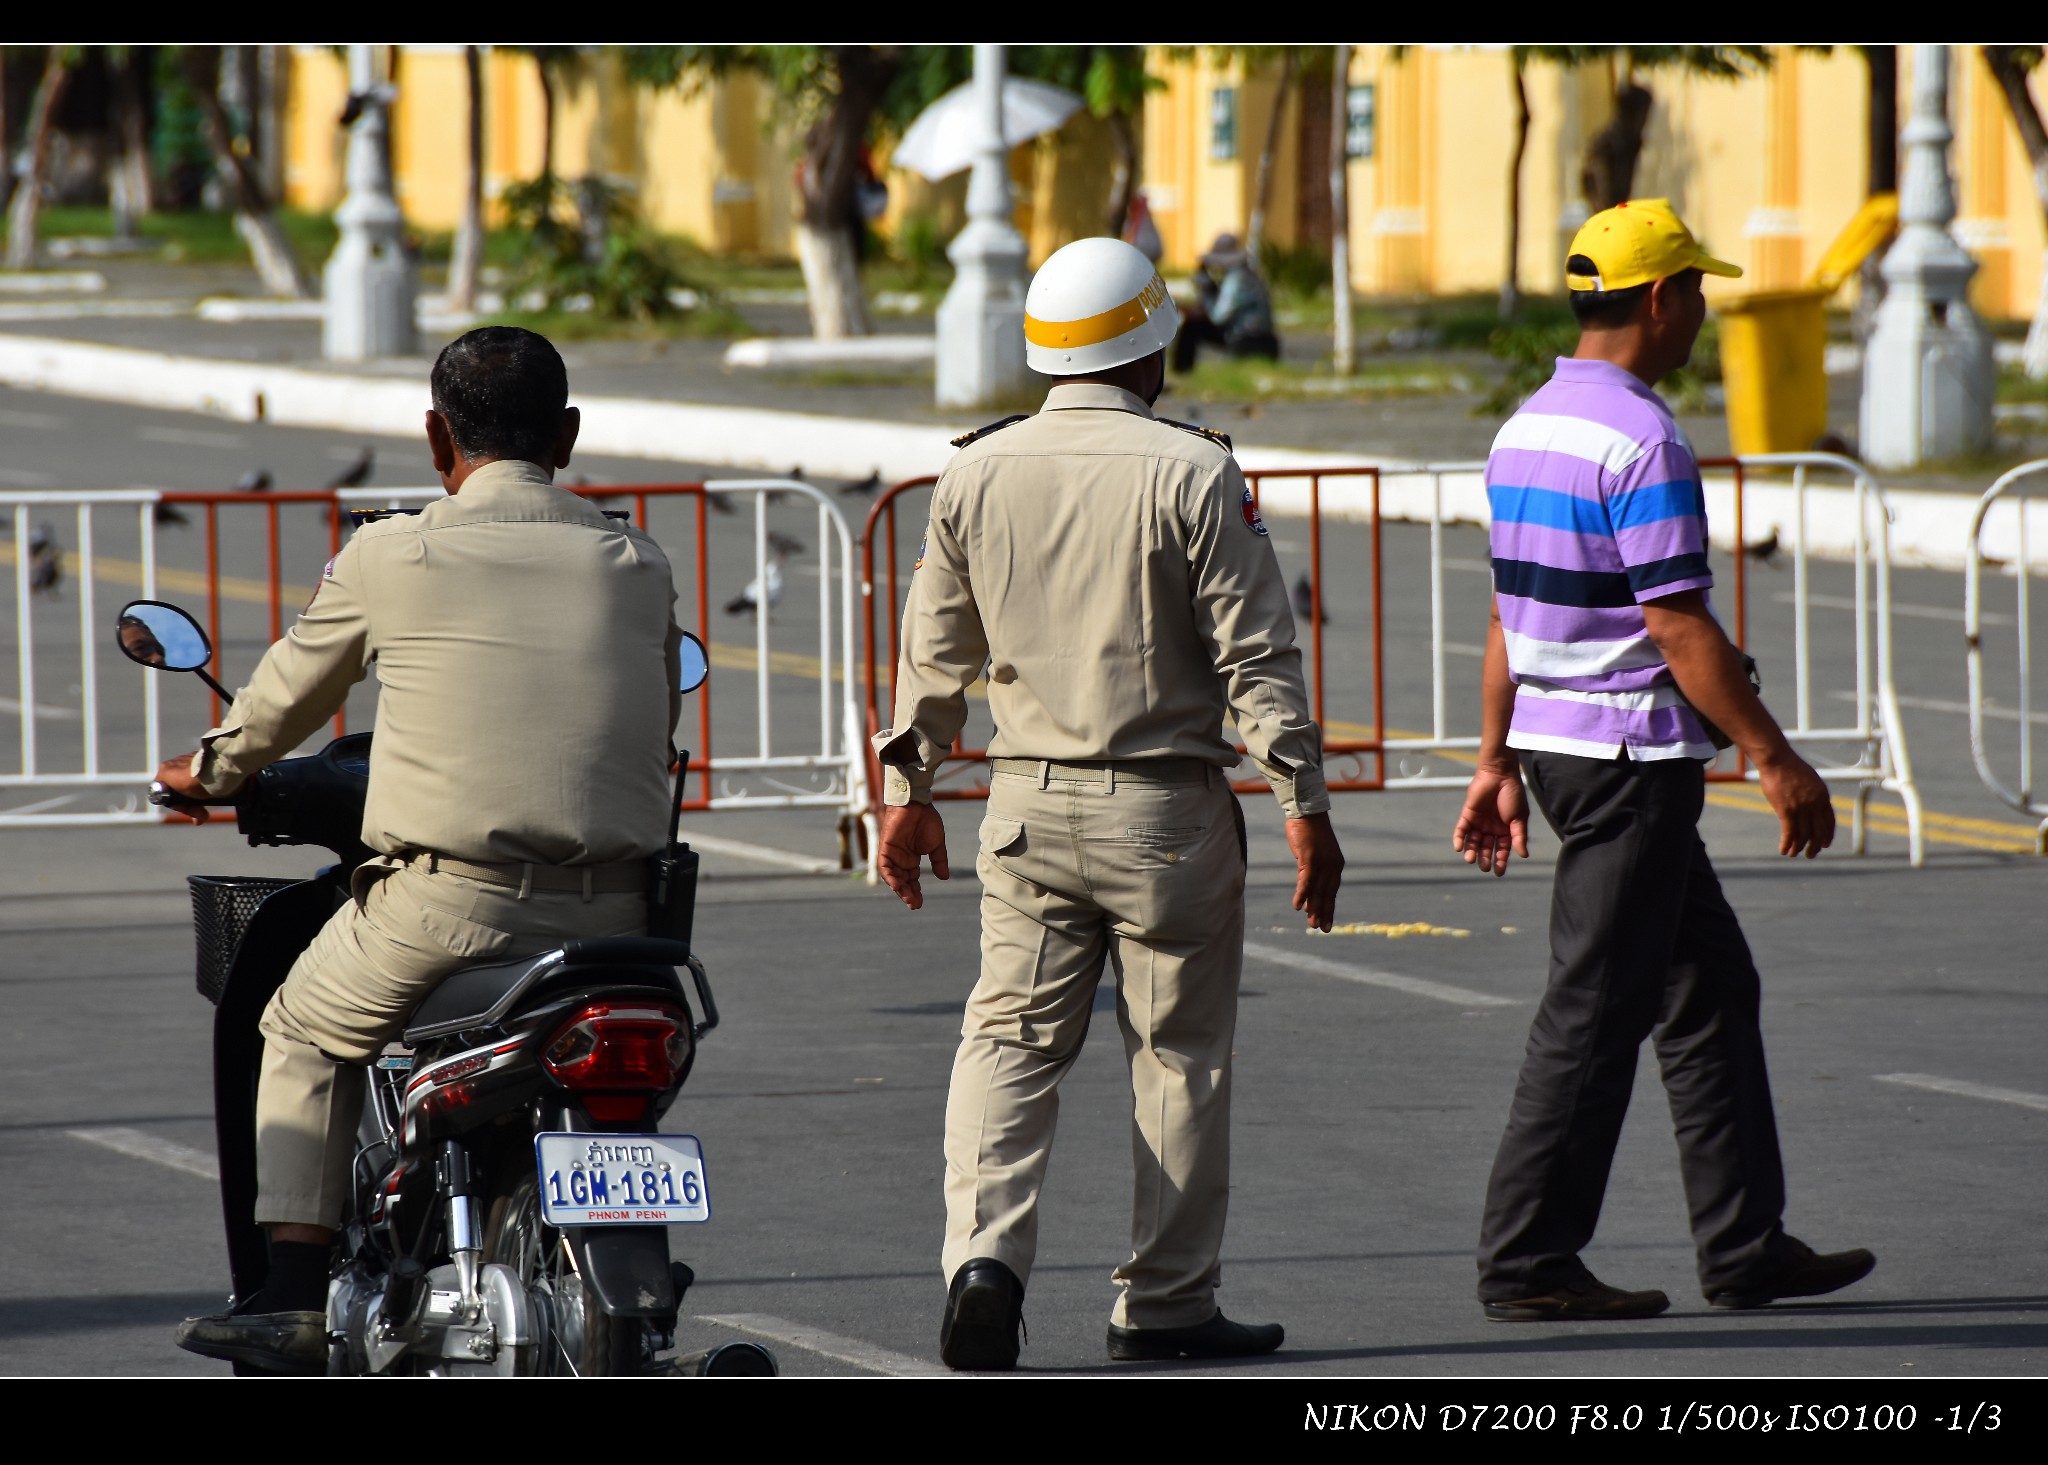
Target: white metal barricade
{"x":830,"y":774}
{"x":2004,"y":513}
{"x":1857,"y":528}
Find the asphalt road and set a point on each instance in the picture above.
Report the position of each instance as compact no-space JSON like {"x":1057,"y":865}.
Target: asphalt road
{"x":1904,"y":1012}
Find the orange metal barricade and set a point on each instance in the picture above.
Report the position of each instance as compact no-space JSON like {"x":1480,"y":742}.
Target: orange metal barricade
{"x":339,"y":501}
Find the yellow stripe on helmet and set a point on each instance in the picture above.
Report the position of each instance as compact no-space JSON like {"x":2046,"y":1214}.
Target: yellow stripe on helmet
{"x":1093,"y":330}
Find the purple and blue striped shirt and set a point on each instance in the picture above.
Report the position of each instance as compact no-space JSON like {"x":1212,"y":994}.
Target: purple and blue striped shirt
{"x":1597,"y":507}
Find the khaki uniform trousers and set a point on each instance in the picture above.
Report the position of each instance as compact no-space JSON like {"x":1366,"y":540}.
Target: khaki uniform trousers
{"x":351,"y":991}
{"x":1140,"y":863}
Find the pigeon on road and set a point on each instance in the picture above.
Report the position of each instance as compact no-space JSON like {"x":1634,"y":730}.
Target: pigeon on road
{"x":355,"y":475}
{"x":45,"y":560}
{"x":766,"y":589}
{"x":866,"y":485}
{"x":1303,"y":598}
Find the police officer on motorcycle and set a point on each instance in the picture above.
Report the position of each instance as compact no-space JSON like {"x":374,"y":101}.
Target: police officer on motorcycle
{"x":526,"y":652}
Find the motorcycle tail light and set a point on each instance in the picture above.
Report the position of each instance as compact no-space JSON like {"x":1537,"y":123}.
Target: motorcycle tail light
{"x":608,"y":1048}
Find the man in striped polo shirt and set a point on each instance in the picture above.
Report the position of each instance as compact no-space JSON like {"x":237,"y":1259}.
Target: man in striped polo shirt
{"x":1606,"y":677}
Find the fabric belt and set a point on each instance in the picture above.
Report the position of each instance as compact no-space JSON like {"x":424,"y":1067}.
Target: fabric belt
{"x":1111,"y":771}
{"x":618,"y":878}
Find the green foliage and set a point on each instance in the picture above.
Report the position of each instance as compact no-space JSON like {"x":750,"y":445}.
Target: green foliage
{"x":628,"y":277}
{"x":919,"y":248}
{"x":1295,"y":272}
{"x":1111,"y":79}
{"x":2014,"y":385}
{"x":178,"y":137}
{"x":807,"y":77}
{"x":1530,"y":348}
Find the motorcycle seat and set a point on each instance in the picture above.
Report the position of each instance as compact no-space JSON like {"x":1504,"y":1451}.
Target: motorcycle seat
{"x":482,"y":996}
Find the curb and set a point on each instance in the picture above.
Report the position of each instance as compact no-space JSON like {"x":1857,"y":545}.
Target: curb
{"x":1928,"y":529}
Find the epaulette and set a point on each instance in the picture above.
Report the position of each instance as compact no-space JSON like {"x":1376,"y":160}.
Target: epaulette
{"x":623,"y":516}
{"x":981,"y":432}
{"x":360,"y":517}
{"x":1222,"y":439}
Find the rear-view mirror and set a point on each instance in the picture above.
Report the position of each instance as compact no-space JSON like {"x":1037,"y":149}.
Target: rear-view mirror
{"x":155,"y":634}
{"x":696,"y":663}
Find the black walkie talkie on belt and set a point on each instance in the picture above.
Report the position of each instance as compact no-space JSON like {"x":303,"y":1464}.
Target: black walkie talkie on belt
{"x":672,"y":874}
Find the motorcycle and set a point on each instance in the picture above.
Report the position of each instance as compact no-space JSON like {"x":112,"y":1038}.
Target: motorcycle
{"x":511,"y":1194}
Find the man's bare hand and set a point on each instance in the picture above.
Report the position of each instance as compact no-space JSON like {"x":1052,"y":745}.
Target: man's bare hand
{"x":1321,"y":868}
{"x":1806,"y":813}
{"x":909,"y":833}
{"x":188,"y":793}
{"x":1495,"y":821}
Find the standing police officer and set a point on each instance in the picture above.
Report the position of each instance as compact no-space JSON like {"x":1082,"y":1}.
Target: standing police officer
{"x":1111,"y":572}
{"x":526,"y":651}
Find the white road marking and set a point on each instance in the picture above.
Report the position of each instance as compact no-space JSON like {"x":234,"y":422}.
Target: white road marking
{"x":1960,"y":709}
{"x":62,"y":714}
{"x":190,"y":437}
{"x":139,"y":1146}
{"x":762,"y":853}
{"x":1963,"y":1089}
{"x":1464,"y":648}
{"x":1372,"y":977}
{"x":1920,"y":612}
{"x":1470,"y":566}
{"x":25,"y":478}
{"x":35,"y":421}
{"x":827,"y":1345}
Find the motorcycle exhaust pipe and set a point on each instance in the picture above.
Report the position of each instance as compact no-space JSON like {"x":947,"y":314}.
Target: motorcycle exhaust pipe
{"x":729,"y":1361}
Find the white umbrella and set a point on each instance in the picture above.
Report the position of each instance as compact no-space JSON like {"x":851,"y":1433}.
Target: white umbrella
{"x":942,"y":140}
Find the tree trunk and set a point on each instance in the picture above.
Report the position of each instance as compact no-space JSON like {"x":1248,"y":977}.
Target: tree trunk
{"x":1123,"y":171}
{"x":1608,"y":171}
{"x":466,"y":261}
{"x":1881,"y":176}
{"x":1343,"y":343}
{"x":547,"y":118}
{"x":28,"y":197}
{"x":2026,"y":118}
{"x":1262,"y":188}
{"x":130,"y":192}
{"x":832,"y":162}
{"x":1511,"y":275}
{"x":277,"y":264}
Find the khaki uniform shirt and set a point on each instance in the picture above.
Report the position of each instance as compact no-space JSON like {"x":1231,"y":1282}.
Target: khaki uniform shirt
{"x":526,"y":651}
{"x":1110,"y":572}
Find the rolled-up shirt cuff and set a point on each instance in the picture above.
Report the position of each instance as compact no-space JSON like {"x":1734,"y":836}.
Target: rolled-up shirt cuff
{"x":1302,"y":793}
{"x":898,"y":790}
{"x":215,"y":767}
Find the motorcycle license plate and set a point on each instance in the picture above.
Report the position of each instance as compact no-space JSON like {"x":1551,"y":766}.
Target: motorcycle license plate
{"x":613,"y":1179}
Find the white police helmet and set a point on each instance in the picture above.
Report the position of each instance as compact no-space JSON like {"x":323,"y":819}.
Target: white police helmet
{"x":1095,"y":304}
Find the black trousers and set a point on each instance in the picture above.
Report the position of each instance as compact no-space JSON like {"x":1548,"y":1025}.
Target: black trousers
{"x":1642,"y":943}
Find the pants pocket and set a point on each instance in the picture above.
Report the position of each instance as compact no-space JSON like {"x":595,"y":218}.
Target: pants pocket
{"x":447,"y":916}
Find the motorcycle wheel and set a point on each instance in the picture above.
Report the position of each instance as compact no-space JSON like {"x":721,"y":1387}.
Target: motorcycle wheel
{"x":579,"y":1338}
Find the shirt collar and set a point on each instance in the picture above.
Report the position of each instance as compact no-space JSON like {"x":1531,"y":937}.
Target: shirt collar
{"x":505,"y":473}
{"x":1069,"y":395}
{"x":1600,"y":373}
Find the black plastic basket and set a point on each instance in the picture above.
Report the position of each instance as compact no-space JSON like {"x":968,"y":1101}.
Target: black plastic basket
{"x":221,"y":908}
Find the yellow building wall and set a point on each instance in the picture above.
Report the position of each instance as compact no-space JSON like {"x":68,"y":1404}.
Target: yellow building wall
{"x":1767,"y":169}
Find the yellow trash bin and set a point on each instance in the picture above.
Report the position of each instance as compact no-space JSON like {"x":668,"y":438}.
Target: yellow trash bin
{"x":1772,"y":348}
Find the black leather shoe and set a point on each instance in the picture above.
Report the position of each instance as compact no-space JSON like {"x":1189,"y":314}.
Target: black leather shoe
{"x":1587,"y":1300}
{"x":1803,"y":1273}
{"x":984,"y":1315}
{"x":1217,"y":1338}
{"x":280,"y":1342}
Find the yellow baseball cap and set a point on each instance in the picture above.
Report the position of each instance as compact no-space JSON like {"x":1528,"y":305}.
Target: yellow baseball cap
{"x":1634,"y":243}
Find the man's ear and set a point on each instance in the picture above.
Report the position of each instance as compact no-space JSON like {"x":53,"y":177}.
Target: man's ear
{"x":440,"y":443}
{"x":565,"y":440}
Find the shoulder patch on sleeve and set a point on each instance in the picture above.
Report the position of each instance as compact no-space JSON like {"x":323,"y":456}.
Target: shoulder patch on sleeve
{"x":1222,"y":439}
{"x":1252,"y":521}
{"x":981,"y":432}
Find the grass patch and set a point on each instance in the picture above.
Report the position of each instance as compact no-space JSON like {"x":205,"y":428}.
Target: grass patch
{"x":2014,"y":385}
{"x":199,"y":236}
{"x":710,"y":321}
{"x":1247,"y":379}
